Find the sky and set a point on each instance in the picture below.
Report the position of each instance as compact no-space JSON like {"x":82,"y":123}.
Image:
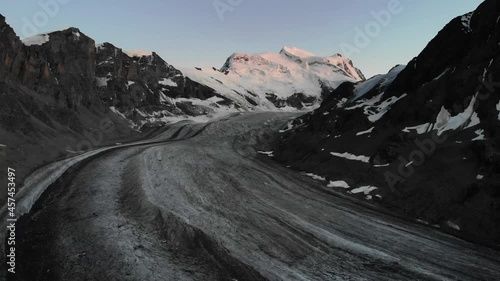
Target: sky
{"x":375,"y":34}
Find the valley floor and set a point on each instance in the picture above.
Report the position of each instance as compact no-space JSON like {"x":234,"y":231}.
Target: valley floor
{"x":205,"y":205}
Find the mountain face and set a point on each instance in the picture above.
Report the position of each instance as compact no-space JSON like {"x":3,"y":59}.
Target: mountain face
{"x":293,"y":78}
{"x":422,"y":140}
{"x":146,"y":89}
{"x":64,"y":92}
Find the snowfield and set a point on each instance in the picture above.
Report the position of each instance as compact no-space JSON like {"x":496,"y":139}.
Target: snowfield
{"x":292,"y":71}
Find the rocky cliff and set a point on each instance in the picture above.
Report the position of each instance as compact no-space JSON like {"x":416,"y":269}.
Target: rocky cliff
{"x":422,"y":140}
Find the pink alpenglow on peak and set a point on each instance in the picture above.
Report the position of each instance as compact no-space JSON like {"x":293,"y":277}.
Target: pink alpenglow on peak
{"x":296,"y":52}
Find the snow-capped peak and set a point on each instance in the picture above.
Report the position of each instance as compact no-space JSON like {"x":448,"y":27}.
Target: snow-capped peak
{"x":270,"y":80}
{"x":292,"y":51}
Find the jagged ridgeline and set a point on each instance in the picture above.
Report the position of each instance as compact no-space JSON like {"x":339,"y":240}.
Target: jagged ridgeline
{"x":423,"y":139}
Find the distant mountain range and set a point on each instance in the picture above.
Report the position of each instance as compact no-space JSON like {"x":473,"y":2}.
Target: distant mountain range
{"x":59,"y":88}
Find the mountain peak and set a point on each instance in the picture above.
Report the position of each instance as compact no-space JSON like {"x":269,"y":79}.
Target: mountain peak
{"x":296,"y":52}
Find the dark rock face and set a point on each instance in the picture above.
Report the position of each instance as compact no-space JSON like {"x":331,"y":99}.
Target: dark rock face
{"x":451,"y":179}
{"x":56,"y":96}
{"x":144,"y":83}
{"x":297,"y":100}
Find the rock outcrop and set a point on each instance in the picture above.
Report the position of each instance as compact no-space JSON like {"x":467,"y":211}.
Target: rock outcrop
{"x":425,"y":137}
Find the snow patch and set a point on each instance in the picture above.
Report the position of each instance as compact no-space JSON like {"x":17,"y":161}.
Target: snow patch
{"x":364,"y":87}
{"x":498,"y":108}
{"x":39,"y":39}
{"x":341,"y":184}
{"x":167,"y":82}
{"x":480,"y":135}
{"x":442,"y":74}
{"x":421,"y":129}
{"x":466,"y":119}
{"x":76,"y":35}
{"x":453,"y":225}
{"x":369,"y":131}
{"x":289,"y":126}
{"x":350,"y":156}
{"x":382,"y":165}
{"x":101,"y":81}
{"x":374,"y":108}
{"x":363,"y":189}
{"x":316,"y":177}
{"x":466,"y":22}
{"x":267,"y":153}
{"x":375,"y":113}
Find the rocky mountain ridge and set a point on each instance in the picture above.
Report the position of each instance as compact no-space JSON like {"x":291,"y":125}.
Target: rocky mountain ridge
{"x":422,"y":140}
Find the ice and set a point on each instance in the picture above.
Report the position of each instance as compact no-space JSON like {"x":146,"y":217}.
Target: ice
{"x":342,"y":184}
{"x":350,"y":156}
